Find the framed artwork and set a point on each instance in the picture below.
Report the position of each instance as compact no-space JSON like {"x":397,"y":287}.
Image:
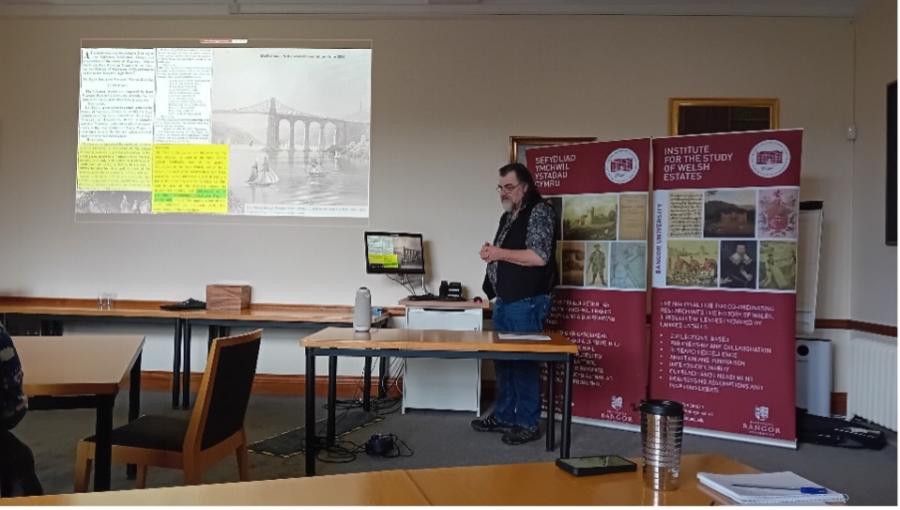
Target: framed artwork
{"x":518,"y":144}
{"x":691,"y":116}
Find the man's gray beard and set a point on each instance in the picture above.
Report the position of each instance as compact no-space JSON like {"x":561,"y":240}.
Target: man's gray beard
{"x":507,"y":205}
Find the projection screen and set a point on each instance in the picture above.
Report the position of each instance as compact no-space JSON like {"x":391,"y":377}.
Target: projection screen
{"x":213,"y":127}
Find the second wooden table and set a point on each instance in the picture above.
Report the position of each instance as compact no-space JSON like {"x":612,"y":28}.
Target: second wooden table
{"x":411,"y":343}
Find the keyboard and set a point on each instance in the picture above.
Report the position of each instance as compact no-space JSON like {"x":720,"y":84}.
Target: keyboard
{"x":423,"y":297}
{"x":432,"y":297}
{"x":187,"y":304}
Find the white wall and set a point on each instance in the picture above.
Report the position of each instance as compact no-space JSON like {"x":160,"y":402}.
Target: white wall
{"x":447,"y":94}
{"x":874,"y":267}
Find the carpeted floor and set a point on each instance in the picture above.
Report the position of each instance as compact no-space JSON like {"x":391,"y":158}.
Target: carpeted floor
{"x":445,"y":439}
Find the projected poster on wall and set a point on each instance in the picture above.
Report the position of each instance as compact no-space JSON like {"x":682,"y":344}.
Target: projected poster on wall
{"x":224,"y":131}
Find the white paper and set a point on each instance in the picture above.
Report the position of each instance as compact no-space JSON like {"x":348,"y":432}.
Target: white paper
{"x":519,"y":336}
{"x":724,"y":484}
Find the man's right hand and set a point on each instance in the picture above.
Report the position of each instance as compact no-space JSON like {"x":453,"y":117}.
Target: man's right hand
{"x":484,"y":253}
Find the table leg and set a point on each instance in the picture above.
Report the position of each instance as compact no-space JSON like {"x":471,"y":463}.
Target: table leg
{"x":103,"y":431}
{"x":310,"y":443}
{"x":176,"y":364}
{"x":216,"y":332}
{"x":367,"y":384}
{"x":332,"y":399}
{"x":551,"y":406}
{"x":134,"y":405}
{"x":186,"y":373}
{"x":382,"y":376}
{"x":565,"y":447}
{"x":213,"y":334}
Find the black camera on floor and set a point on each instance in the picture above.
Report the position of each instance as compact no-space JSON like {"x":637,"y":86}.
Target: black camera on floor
{"x":381,"y":444}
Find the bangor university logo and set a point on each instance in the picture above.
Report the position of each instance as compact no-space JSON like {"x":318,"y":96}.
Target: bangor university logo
{"x":622,"y":165}
{"x":616,"y":402}
{"x":761,"y":413}
{"x":769,"y":158}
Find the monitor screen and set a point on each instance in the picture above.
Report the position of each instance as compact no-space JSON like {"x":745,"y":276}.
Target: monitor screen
{"x":394,"y":252}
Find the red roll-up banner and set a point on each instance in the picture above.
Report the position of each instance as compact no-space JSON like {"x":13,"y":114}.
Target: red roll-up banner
{"x":724,"y":271}
{"x":599,"y":191}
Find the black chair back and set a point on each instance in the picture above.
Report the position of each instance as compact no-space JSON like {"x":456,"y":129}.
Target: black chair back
{"x":234,"y":366}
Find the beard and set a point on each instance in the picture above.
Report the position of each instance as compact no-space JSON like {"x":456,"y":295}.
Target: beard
{"x":507,"y":204}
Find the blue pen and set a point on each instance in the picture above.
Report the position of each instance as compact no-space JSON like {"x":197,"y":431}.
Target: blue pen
{"x":803,"y":490}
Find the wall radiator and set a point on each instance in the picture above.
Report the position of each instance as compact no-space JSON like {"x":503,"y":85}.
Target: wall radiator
{"x":872,"y":392}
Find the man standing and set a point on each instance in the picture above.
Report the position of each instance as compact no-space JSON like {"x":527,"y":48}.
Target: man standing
{"x":520,"y":275}
{"x":597,"y":263}
{"x":17,"y":477}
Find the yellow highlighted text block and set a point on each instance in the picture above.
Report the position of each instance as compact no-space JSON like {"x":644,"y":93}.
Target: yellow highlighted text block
{"x":190,"y":178}
{"x":114,"y":166}
{"x":387,"y":260}
{"x":391,"y":260}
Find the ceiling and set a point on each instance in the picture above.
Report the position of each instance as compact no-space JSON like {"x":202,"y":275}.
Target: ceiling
{"x":806,"y":8}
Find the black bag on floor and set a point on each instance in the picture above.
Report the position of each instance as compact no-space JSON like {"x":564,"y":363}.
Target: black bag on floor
{"x":837,"y":432}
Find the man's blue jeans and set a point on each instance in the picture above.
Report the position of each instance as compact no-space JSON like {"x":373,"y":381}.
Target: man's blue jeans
{"x":519,"y":382}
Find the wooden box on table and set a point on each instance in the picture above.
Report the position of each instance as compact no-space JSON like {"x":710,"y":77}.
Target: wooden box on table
{"x":227,"y":298}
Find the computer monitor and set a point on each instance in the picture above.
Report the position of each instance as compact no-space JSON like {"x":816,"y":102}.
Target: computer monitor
{"x":394,"y":253}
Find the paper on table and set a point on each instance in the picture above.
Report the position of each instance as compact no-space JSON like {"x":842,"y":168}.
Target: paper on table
{"x":520,"y":336}
{"x":725,"y":484}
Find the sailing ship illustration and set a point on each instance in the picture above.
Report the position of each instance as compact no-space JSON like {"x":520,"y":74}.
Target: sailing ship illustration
{"x":264,"y":176}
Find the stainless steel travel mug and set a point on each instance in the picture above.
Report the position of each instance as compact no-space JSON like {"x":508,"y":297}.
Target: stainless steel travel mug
{"x":662,"y":424}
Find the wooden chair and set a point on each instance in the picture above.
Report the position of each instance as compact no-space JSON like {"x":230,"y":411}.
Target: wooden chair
{"x":215,"y":429}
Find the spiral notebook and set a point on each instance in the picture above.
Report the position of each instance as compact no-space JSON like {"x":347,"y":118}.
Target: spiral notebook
{"x":781,"y":488}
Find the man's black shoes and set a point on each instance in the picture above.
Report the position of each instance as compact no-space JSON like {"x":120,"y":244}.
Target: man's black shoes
{"x":511,"y":435}
{"x":490,"y":424}
{"x":522,"y":435}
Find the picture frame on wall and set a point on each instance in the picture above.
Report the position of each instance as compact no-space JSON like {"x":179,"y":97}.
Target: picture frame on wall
{"x":518,"y":144}
{"x":692,"y":116}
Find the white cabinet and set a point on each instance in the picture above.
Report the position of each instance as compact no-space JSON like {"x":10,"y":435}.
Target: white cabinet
{"x":457,"y":319}
{"x":443,"y":384}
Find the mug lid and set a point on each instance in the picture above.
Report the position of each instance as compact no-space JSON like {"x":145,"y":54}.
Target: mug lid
{"x":662,"y":407}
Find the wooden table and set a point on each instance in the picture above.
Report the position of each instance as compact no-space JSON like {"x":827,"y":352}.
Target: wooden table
{"x":262,"y":315}
{"x":510,"y":485}
{"x":357,"y":489}
{"x":315,"y":316}
{"x":412,"y":343}
{"x":73,"y":372}
{"x":545,"y":484}
{"x":443,"y":304}
{"x":122,"y":310}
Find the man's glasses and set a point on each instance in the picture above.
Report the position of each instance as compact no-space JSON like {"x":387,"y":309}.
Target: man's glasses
{"x":507,"y":188}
